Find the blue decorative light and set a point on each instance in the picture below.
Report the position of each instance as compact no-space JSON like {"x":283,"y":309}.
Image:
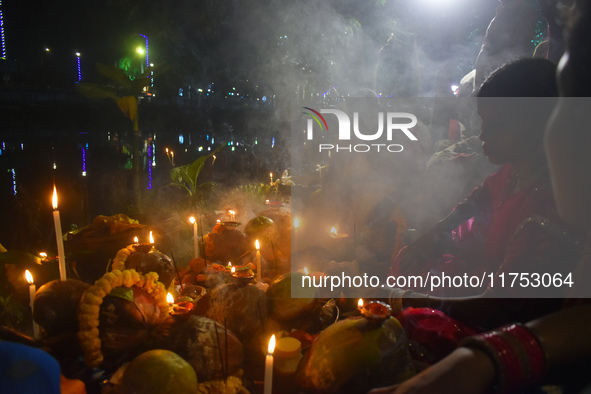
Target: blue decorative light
{"x":13,"y":181}
{"x":181,"y":139}
{"x":147,"y":58}
{"x":150,"y":166}
{"x":84,"y":160}
{"x":79,"y":72}
{"x":2,"y":38}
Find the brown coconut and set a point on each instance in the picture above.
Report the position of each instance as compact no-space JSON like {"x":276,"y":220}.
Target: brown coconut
{"x":196,"y":341}
{"x":243,"y":307}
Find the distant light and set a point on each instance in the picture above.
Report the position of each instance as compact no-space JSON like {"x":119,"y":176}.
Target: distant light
{"x":212,"y":141}
{"x":273,"y":143}
{"x":83,"y":173}
{"x":139,"y":50}
{"x":200,"y":149}
{"x":233,"y":149}
{"x":200,"y":90}
{"x":46,"y":49}
{"x":54,"y":165}
{"x":13,"y":180}
{"x":78,"y":54}
{"x":264,"y":99}
{"x":151,"y":64}
{"x":22,"y":146}
{"x":209,"y":148}
{"x":454,"y":89}
{"x":181,"y":139}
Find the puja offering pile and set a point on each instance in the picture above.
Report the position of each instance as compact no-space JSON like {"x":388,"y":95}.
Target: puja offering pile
{"x":206,"y":324}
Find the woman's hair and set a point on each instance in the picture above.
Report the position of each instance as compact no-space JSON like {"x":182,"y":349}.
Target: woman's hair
{"x":522,"y":78}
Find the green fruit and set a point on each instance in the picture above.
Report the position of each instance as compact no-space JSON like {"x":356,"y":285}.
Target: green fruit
{"x":159,"y":372}
{"x":262,"y":228}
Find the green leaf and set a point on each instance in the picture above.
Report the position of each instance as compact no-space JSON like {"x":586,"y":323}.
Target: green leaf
{"x":187,"y":175}
{"x":125,"y":293}
{"x":96,"y":92}
{"x":116,"y":75}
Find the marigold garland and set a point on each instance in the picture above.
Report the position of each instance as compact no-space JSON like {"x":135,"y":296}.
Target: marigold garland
{"x":89,"y":308}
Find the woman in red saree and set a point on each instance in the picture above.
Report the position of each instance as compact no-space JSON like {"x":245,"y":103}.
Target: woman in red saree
{"x":507,"y":226}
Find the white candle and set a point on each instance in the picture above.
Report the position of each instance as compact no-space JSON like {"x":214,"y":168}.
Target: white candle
{"x":32,"y":291}
{"x":269,"y":366}
{"x":195,"y":237}
{"x":259,"y":268}
{"x":59,"y":236}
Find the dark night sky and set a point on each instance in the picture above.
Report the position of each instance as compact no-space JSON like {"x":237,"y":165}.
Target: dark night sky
{"x":87,"y":26}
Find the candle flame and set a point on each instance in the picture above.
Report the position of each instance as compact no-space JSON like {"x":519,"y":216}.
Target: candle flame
{"x":213,"y":159}
{"x":333,"y":231}
{"x":257,"y":244}
{"x":192,"y":220}
{"x":151,"y":238}
{"x":169,"y":298}
{"x":136,"y":240}
{"x":360,"y":303}
{"x":166,"y":150}
{"x":54,"y":198}
{"x":270,"y":175}
{"x":29,"y":277}
{"x":43,"y":254}
{"x":271,"y":347}
{"x":231,"y":212}
{"x":218,"y":221}
{"x":233,"y":270}
{"x":306,"y":271}
{"x":229,"y":263}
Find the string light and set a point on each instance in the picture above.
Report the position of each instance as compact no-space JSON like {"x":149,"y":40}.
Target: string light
{"x":2,"y":38}
{"x":79,"y":72}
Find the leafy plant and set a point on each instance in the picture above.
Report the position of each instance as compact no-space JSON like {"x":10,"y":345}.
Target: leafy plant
{"x":11,"y":311}
{"x":186,"y":177}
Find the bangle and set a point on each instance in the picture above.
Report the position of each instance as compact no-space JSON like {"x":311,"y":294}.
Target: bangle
{"x":516,"y":354}
{"x":531,"y":348}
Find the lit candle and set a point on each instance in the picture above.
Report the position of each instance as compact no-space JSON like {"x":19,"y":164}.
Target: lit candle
{"x":271,"y":177}
{"x":259,"y":268}
{"x":32,"y":290}
{"x":360,"y":303}
{"x":232,"y":215}
{"x":169,"y":299}
{"x":195,"y":237}
{"x":59,"y":236}
{"x":269,"y":366}
{"x":151,"y":238}
{"x":136,"y":241}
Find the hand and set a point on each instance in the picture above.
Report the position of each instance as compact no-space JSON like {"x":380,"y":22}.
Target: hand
{"x":464,"y":371}
{"x":426,"y":247}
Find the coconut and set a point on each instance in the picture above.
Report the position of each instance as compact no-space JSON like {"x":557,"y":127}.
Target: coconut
{"x":159,"y":371}
{"x":244,"y":308}
{"x":225,"y":244}
{"x":152,"y":262}
{"x":195,"y":340}
{"x":352,"y":355}
{"x":56,"y":305}
{"x":130,"y":322}
{"x":283,"y":306}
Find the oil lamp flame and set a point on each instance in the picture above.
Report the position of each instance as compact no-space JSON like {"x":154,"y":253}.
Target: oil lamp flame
{"x":54,"y":198}
{"x":333,"y":232}
{"x":271,"y":347}
{"x":306,"y":271}
{"x":233,"y":270}
{"x":229,"y":264}
{"x":257,"y":244}
{"x":192,"y":220}
{"x":169,"y":298}
{"x":43,"y":255}
{"x":151,"y":238}
{"x":29,"y":277}
{"x":360,"y":303}
{"x":136,"y":240}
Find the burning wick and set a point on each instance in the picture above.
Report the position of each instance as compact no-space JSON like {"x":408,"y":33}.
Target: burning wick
{"x":136,"y":241}
{"x":169,"y":299}
{"x":151,"y":238}
{"x":232,"y":215}
{"x":360,"y":303}
{"x":271,"y":177}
